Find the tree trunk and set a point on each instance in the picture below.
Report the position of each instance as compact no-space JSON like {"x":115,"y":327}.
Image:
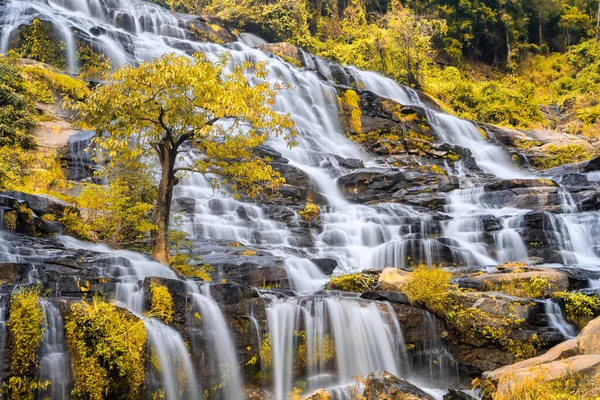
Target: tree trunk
{"x":162,"y":209}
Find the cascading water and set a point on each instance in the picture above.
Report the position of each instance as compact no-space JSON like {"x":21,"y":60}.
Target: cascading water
{"x":362,"y":337}
{"x":3,"y":335}
{"x":557,"y":321}
{"x":220,"y":344}
{"x":359,"y":336}
{"x":54,"y":362}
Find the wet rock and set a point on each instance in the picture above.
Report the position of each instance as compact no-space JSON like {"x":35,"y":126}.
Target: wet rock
{"x":382,"y":295}
{"x":388,"y":386}
{"x":454,"y":394}
{"x":326,"y":265}
{"x":293,"y":176}
{"x":265,"y":151}
{"x":286,"y":51}
{"x":184,"y":205}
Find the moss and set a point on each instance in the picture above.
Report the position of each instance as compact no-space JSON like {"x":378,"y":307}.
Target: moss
{"x":580,"y":308}
{"x":248,"y":253}
{"x":430,"y":287}
{"x":527,"y":144}
{"x":357,"y":283}
{"x":162,"y":302}
{"x":107,"y":347}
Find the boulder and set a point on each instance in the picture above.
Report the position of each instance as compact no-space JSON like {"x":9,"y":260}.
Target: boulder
{"x":454,"y":394}
{"x":184,"y":205}
{"x":390,"y":387}
{"x":393,"y":279}
{"x":40,"y":203}
{"x":579,"y":356}
{"x":558,"y":281}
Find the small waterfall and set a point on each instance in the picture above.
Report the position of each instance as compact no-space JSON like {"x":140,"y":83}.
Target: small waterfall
{"x":359,"y":335}
{"x":557,"y":321}
{"x":569,"y":206}
{"x":509,"y":242}
{"x":491,"y":158}
{"x":54,"y":361}
{"x":220,"y":344}
{"x":175,"y":377}
{"x":433,"y":356}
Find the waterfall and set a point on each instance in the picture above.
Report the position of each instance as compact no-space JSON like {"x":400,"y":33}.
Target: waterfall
{"x":220,"y":343}
{"x":54,"y":360}
{"x":557,"y":321}
{"x":359,"y":335}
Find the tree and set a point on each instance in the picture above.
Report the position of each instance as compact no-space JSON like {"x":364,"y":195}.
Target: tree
{"x":178,"y":108}
{"x":408,"y":42}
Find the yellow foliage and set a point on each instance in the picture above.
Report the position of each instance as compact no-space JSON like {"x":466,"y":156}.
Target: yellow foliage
{"x":558,"y":155}
{"x":162,"y":302}
{"x":580,"y":308}
{"x":310,"y":213}
{"x":25,"y":330}
{"x":352,"y":283}
{"x":536,"y":287}
{"x":107,"y":347}
{"x":429,"y":286}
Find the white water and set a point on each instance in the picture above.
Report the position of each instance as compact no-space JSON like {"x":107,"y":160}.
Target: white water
{"x":366,"y":339}
{"x":557,"y":321}
{"x":54,"y":361}
{"x":221,"y":343}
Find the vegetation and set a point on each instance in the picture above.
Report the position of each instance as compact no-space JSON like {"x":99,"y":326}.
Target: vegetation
{"x":430,"y":287}
{"x":537,"y":386}
{"x":357,"y":282}
{"x":25,"y":333}
{"x":107,"y":347}
{"x":580,"y":308}
{"x":162,"y":302}
{"x":560,"y":155}
{"x":169,"y":104}
{"x":536,"y":287}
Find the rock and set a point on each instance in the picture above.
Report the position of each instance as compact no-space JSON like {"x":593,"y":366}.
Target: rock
{"x":454,"y":394}
{"x":381,"y":295}
{"x":326,"y":265}
{"x":265,"y":151}
{"x":393,"y":279}
{"x":579,"y":356}
{"x":558,"y":281}
{"x":184,"y":205}
{"x":293,"y":176}
{"x":389,"y":387}
{"x":592,"y":165}
{"x":41,"y":203}
{"x":286,"y":51}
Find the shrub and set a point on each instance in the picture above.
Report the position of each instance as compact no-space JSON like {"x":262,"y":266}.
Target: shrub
{"x":162,"y":302}
{"x":107,"y":346}
{"x":429,"y":287}
{"x":357,"y":283}
{"x":579,"y":308}
{"x":310,"y":213}
{"x":25,"y":332}
{"x":535,"y":287}
{"x":17,"y":113}
{"x":561,"y":155}
{"x":38,"y":41}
